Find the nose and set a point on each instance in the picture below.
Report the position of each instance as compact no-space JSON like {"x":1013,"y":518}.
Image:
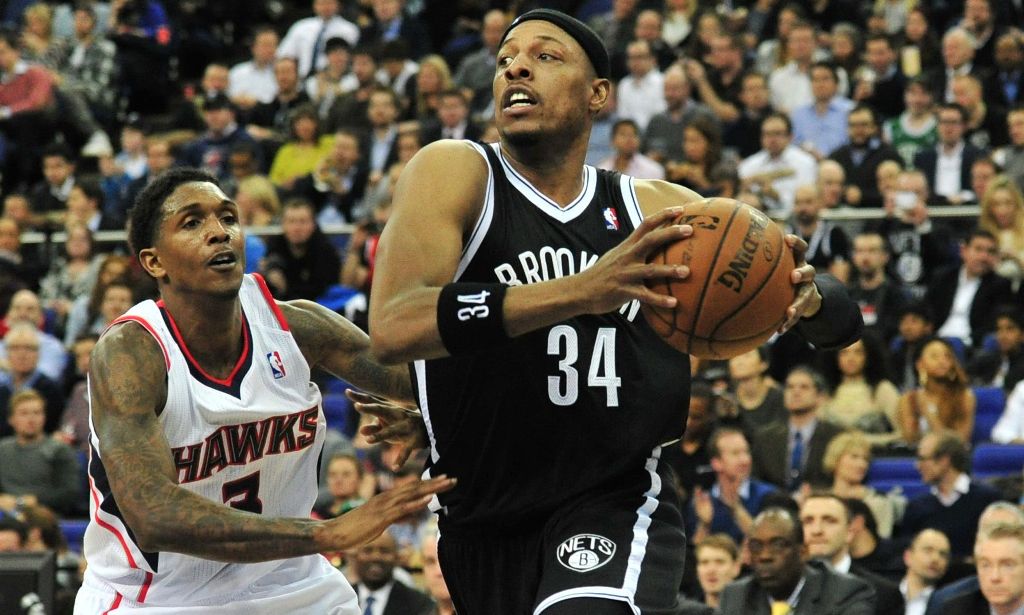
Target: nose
{"x":218,"y":232}
{"x":517,"y":69}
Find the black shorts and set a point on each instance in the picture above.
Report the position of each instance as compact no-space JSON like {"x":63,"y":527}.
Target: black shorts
{"x":624,"y":544}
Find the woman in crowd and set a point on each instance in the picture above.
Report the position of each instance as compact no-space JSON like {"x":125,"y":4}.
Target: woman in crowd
{"x":303,"y":151}
{"x":434,"y":77}
{"x":942,"y":399}
{"x":258,"y":205}
{"x":847,"y":458}
{"x":345,"y":477}
{"x":86,"y":309}
{"x":72,"y":274}
{"x":919,"y":50}
{"x":1002,"y":214}
{"x":702,"y":153}
{"x":862,"y":395}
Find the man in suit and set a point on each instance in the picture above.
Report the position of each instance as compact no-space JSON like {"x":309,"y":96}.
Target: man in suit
{"x":956,"y":502}
{"x":452,"y":121}
{"x":947,"y":166}
{"x":826,"y":522}
{"x":1009,"y":58}
{"x":966,"y":298}
{"x":999,"y":556}
{"x":861,"y":157}
{"x":998,"y":513}
{"x":790,"y":454}
{"x":927,"y":559}
{"x":958,"y":58}
{"x":379,"y":593}
{"x":783,"y":583}
{"x":391,"y":22}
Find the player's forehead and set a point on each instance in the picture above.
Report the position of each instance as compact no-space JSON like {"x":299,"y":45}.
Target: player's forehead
{"x":538,"y":31}
{"x":190,"y":195}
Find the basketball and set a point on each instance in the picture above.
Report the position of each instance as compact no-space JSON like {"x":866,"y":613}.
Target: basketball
{"x":739,"y":285}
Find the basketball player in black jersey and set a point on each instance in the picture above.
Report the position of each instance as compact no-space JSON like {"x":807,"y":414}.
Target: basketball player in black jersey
{"x":512,"y":277}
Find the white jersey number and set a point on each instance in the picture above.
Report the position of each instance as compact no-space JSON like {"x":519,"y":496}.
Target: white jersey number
{"x":563,"y":389}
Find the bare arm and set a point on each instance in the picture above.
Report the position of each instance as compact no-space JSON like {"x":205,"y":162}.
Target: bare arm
{"x":415,"y":260}
{"x":128,"y":388}
{"x":963,"y":424}
{"x":329,"y":341}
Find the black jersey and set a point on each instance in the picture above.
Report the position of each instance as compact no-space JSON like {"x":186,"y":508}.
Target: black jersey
{"x":562,"y":410}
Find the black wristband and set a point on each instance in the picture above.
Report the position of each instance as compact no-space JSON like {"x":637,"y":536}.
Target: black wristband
{"x":470,"y":316}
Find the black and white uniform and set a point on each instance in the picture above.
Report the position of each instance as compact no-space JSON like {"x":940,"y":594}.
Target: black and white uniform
{"x":556,"y":436}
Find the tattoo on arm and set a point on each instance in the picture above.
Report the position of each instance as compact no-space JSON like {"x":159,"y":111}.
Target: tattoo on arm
{"x":128,"y":388}
{"x":331,"y":342}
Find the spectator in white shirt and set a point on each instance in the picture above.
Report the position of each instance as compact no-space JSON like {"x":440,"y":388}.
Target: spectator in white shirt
{"x":790,"y":85}
{"x":307,"y":38}
{"x":1009,"y":429}
{"x":641,"y":93}
{"x":253,"y":81}
{"x":627,"y":158}
{"x":777,"y":170}
{"x":927,"y":559}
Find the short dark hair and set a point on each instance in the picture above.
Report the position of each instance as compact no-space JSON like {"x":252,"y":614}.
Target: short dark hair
{"x":146,"y":214}
{"x":819,"y":381}
{"x":92,"y":190}
{"x":58,"y":150}
{"x":717,"y":435}
{"x":624,"y":122}
{"x":949,"y":444}
{"x":10,"y":524}
{"x":1011,"y":313}
{"x":946,"y":106}
{"x":781,"y":117}
{"x":919,"y":309}
{"x":865,"y":108}
{"x":829,"y":66}
{"x":12,"y":38}
{"x":857,"y":507}
{"x":980,"y":232}
{"x":880,"y":36}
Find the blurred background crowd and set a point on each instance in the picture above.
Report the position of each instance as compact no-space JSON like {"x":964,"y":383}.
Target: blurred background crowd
{"x":889,"y":134}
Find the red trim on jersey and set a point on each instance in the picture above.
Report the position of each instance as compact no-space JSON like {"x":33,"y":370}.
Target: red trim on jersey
{"x":147,"y":327}
{"x":145,"y":588}
{"x":270,"y":300}
{"x":117,"y":603}
{"x":113,"y":530}
{"x":246,"y":349}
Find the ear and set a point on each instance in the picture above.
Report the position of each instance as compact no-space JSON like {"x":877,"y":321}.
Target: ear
{"x":150,"y":261}
{"x":716,"y":464}
{"x":600,"y":93}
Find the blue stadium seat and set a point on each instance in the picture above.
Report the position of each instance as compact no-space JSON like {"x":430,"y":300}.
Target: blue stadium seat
{"x":991,"y":402}
{"x":991,"y":460}
{"x":338,"y":411}
{"x":893,"y":469}
{"x":74,"y":531}
{"x":958,"y":348}
{"x":910,"y":488}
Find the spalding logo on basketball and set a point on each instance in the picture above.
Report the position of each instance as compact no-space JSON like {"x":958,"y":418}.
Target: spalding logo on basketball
{"x":585,"y":552}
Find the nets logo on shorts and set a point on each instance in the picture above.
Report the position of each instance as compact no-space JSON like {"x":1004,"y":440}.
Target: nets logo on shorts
{"x":585,"y":552}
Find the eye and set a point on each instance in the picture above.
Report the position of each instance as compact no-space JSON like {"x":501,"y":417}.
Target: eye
{"x":230,"y":219}
{"x":504,"y":61}
{"x":546,"y":56}
{"x":191,"y":223}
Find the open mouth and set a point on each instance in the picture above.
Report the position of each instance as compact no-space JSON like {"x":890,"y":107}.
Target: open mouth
{"x":519,"y":99}
{"x":225,"y":260}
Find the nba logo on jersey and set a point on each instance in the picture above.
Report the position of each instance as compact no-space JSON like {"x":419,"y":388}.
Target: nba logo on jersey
{"x":611,"y":219}
{"x":276,"y":364}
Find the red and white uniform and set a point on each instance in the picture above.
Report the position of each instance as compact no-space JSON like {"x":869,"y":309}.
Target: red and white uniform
{"x":250,"y":441}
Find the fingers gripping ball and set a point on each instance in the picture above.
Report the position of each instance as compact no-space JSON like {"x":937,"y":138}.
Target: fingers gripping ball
{"x":739,"y":285}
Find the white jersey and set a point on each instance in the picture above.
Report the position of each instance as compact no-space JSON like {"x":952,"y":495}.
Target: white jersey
{"x":251,"y":441}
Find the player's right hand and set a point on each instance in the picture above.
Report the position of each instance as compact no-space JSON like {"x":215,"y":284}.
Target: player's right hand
{"x":618,"y":276}
{"x":365,"y":522}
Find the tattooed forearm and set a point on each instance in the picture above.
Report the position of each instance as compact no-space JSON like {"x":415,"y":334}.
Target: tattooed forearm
{"x":334,"y":344}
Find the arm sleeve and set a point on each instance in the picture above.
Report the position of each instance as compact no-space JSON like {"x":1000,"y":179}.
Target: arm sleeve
{"x":838,"y":323}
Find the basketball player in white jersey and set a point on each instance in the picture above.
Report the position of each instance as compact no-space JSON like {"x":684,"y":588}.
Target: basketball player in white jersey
{"x":206,"y":430}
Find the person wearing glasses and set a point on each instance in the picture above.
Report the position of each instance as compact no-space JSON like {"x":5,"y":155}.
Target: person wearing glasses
{"x":955,"y":502}
{"x":784,"y":582}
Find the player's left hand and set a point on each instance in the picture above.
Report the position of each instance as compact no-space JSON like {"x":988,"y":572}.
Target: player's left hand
{"x":808,"y":299}
{"x":393,"y":424}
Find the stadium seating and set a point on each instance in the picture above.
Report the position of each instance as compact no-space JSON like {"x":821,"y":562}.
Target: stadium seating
{"x":991,"y":402}
{"x":888,"y":473}
{"x":338,"y":411}
{"x":992,"y":460}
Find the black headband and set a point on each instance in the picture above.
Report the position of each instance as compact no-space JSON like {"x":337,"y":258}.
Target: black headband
{"x":579,"y":31}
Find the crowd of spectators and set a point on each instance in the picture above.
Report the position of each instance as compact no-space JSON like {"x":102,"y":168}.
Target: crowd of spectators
{"x":309,"y":110}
